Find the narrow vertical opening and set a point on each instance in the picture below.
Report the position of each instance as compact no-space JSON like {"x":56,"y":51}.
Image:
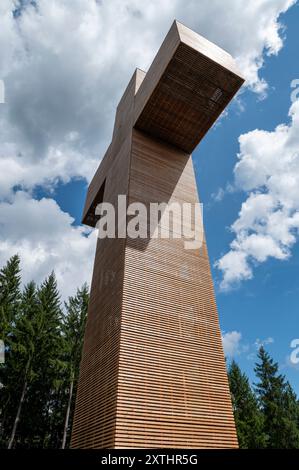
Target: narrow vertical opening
{"x":92,"y":217}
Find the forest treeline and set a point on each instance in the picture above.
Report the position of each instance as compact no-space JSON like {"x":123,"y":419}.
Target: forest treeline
{"x":38,"y":380}
{"x":266,"y":415}
{"x":43,"y":342}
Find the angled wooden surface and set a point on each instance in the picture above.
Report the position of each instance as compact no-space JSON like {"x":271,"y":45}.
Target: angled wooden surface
{"x":188,"y":85}
{"x":153,"y":372}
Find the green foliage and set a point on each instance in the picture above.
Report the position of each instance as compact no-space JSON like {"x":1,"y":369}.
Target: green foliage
{"x":278,"y":403}
{"x":10,"y":293}
{"x":248,"y":418}
{"x":72,"y":330}
{"x":268,"y":416}
{"x":43,"y":350}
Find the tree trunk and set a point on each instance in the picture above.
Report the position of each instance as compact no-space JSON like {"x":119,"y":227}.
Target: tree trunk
{"x":17,"y":418}
{"x":67,"y":416}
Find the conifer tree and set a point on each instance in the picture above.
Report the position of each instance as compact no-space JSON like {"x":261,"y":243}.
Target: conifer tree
{"x":73,"y":328}
{"x":248,"y":418}
{"x":24,"y":357}
{"x":52,"y":365}
{"x":43,"y":352}
{"x":47,"y":366}
{"x":278,"y":404}
{"x":10,"y":279}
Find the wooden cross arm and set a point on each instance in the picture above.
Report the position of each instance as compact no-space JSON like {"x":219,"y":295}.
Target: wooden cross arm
{"x":188,"y":85}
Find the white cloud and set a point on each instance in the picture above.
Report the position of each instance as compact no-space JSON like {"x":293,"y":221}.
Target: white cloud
{"x":234,"y":267}
{"x":263,"y":342}
{"x":268,"y":222}
{"x":65,"y":65}
{"x":219,"y":195}
{"x":256,"y":346}
{"x":231,"y":343}
{"x":45,"y":239}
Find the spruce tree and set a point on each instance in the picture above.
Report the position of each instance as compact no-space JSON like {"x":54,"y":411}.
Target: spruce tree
{"x":43,"y":352}
{"x":248,"y":418}
{"x":10,"y":279}
{"x":35,"y":428}
{"x":52,"y":364}
{"x":73,"y":328}
{"x":278,"y":404}
{"x":24,"y":355}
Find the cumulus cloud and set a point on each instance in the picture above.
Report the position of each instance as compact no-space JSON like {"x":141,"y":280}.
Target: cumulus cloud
{"x":65,"y":65}
{"x":231,"y":343}
{"x":46,"y":240}
{"x":268,"y":222}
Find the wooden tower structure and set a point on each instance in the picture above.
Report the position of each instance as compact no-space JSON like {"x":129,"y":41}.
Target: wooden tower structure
{"x":153,"y":371}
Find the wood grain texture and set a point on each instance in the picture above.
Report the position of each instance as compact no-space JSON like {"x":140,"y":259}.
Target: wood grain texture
{"x":188,"y":85}
{"x":94,"y":420}
{"x":153,"y":371}
{"x":172,"y":389}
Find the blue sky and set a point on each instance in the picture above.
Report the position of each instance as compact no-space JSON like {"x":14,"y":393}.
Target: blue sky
{"x":266,"y":306}
{"x":56,"y":124}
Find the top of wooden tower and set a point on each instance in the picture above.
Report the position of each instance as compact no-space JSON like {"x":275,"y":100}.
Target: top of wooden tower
{"x":188,"y":85}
